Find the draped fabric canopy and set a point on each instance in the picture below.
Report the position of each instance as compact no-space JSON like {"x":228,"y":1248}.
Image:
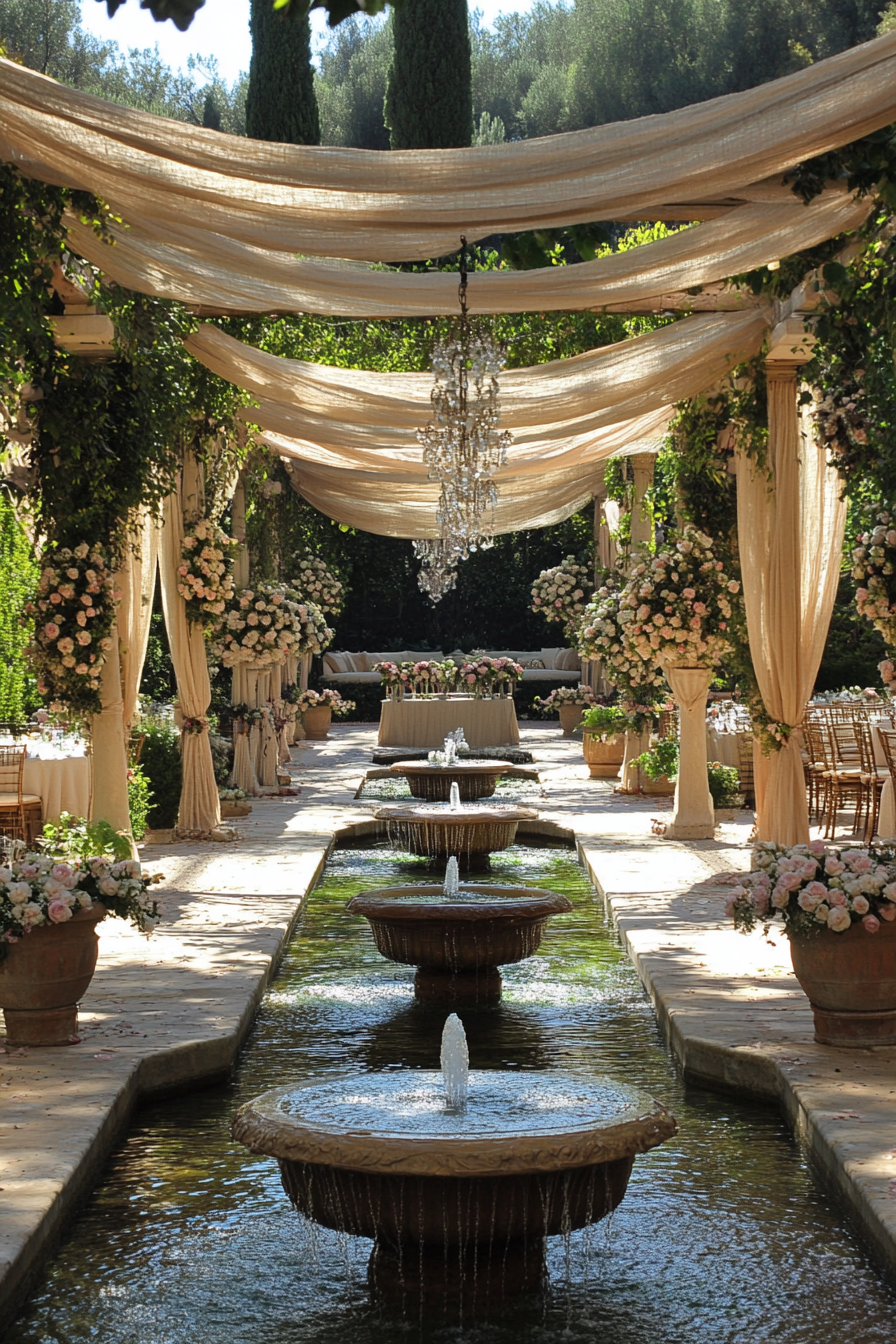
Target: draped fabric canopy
{"x":232,"y":277}
{"x":699,"y":162}
{"x":351,"y":434}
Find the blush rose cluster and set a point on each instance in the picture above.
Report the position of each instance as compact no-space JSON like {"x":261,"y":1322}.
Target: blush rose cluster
{"x":73,"y":614}
{"x":561,"y":594}
{"x":205,"y":573}
{"x":812,"y":887}
{"x":265,"y":624}
{"x":874,"y":570}
{"x":678,"y":604}
{"x":316,"y":582}
{"x":36,"y":889}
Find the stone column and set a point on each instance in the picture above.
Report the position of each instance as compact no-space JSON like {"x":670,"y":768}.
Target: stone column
{"x":692,"y":817}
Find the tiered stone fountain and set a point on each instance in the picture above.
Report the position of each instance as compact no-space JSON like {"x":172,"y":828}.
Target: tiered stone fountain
{"x":458,"y":1177}
{"x":458,"y":936}
{"x":469,"y":831}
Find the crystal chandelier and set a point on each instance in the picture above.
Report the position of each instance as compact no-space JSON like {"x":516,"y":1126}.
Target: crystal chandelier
{"x":438,"y":568}
{"x":462,"y":447}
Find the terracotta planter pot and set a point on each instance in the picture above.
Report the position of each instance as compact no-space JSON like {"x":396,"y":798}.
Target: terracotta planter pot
{"x":43,"y":977}
{"x":850,"y":980}
{"x":570,"y":718}
{"x":664,"y":787}
{"x":240,"y":808}
{"x":604,"y":758}
{"x":316,"y":722}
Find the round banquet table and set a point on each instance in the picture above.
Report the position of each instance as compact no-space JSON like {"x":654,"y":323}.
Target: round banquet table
{"x":413,"y":722}
{"x":61,"y":782}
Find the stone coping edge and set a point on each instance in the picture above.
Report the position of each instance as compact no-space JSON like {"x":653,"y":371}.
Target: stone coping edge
{"x":167,"y":1070}
{"x":750,"y":1073}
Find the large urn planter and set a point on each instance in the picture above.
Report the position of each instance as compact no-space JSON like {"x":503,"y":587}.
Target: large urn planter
{"x":44,"y":976}
{"x":570,"y":718}
{"x":850,"y":981}
{"x":604,"y":755}
{"x":316,"y":722}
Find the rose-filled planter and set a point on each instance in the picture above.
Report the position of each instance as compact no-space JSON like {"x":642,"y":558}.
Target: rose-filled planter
{"x":43,"y":978}
{"x":569,"y":703}
{"x":316,"y":722}
{"x":838,"y":908}
{"x":49,"y":911}
{"x":317,"y":709}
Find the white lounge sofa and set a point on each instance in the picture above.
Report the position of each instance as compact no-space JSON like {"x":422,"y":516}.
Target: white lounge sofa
{"x":549,"y":665}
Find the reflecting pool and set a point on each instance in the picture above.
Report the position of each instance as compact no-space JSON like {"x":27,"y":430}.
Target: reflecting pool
{"x":725,"y":1235}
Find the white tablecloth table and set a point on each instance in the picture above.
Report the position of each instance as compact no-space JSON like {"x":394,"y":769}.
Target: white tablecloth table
{"x":723,"y":747}
{"x":61,"y":782}
{"x":426,"y":723}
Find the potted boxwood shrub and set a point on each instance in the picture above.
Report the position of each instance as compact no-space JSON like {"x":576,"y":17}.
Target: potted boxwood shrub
{"x":724,"y":786}
{"x":603,"y":743}
{"x":838,"y":908}
{"x":658,"y":767}
{"x":50,"y":905}
{"x":317,"y":709}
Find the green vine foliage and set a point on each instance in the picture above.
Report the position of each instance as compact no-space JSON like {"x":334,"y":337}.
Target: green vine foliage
{"x":18,"y":581}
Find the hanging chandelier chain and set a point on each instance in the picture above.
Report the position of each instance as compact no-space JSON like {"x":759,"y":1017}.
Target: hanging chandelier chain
{"x":462,"y":446}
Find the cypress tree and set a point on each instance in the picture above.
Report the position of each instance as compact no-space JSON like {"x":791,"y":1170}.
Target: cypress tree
{"x":280,"y":100}
{"x":429,"y":93}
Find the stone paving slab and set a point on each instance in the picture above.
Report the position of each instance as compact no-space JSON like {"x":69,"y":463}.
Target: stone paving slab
{"x":170,"y":1012}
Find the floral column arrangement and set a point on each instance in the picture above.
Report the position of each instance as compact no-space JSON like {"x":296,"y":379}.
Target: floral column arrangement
{"x":676,"y":612}
{"x":641,"y":685}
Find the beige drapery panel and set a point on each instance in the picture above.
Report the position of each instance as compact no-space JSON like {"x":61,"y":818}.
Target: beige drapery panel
{"x":120,"y":681}
{"x":790,"y":532}
{"x":350,"y":435}
{"x":693,"y":163}
{"x":137,"y":581}
{"x":199,"y":806}
{"x":196,"y":267}
{"x":356,"y":408}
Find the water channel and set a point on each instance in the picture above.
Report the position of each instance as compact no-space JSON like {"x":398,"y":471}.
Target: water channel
{"x":725,"y":1235}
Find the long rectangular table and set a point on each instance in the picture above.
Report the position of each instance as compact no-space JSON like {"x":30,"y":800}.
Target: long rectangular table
{"x":426,"y":723}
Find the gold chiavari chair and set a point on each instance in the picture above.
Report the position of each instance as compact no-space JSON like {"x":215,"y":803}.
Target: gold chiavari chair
{"x":814,"y":765}
{"x":843,"y":770}
{"x":20,"y":813}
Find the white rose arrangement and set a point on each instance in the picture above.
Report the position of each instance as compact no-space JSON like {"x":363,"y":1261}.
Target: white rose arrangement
{"x":315,"y":582}
{"x":205,"y":573}
{"x":677,"y":604}
{"x":874,"y":569}
{"x":811,"y":887}
{"x":37,"y":889}
{"x":73,"y":614}
{"x":560,"y":594}
{"x":262,"y":625}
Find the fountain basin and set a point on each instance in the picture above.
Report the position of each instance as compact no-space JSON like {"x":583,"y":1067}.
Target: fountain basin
{"x":455,"y":1202}
{"x":474,"y":779}
{"x":471,"y":833}
{"x":458,"y":944}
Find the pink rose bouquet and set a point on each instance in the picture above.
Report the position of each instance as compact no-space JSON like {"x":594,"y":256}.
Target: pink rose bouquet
{"x":560,"y":594}
{"x":38,"y":889}
{"x":874,"y":570}
{"x":813,"y":887}
{"x":677,"y":605}
{"x":73,"y":614}
{"x":205,"y":573}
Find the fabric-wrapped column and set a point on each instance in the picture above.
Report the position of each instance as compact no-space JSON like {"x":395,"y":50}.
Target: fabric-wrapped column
{"x":636,"y":743}
{"x":108,"y":749}
{"x":200,"y":809}
{"x":692,"y":817}
{"x":790,"y":531}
